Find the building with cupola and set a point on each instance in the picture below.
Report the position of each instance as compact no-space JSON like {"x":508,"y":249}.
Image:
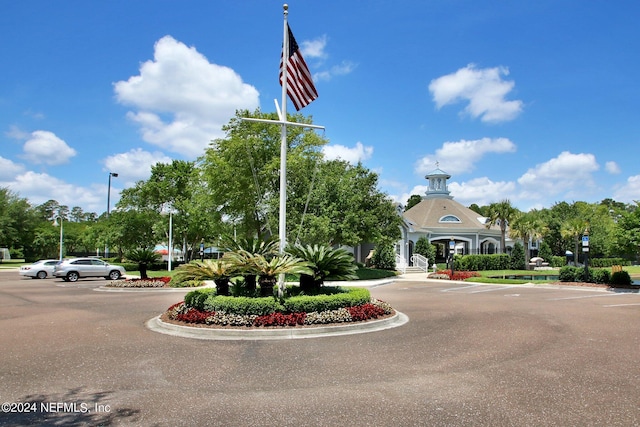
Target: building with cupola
{"x":446,"y":224}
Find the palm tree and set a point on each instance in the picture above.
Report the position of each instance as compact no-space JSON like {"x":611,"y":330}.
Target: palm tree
{"x":218,"y":270}
{"x":242,"y":250}
{"x":143,"y":257}
{"x":573,"y":229}
{"x":501,"y":213}
{"x":269,"y":269}
{"x":527,"y":226}
{"x":326,"y":262}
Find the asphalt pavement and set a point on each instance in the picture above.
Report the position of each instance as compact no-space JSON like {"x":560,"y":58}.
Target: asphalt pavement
{"x":469,"y":355}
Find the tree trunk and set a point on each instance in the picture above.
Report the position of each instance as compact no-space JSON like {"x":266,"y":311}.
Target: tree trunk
{"x":143,"y":270}
{"x":222,"y":285}
{"x":250,"y":282}
{"x":267,"y":283}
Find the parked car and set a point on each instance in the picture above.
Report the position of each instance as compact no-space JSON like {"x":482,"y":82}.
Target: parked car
{"x":39,"y":269}
{"x":72,"y":269}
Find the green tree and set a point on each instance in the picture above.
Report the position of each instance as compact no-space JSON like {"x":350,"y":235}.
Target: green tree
{"x":426,"y":249}
{"x":178,"y":186}
{"x":144,"y":257}
{"x":384,"y":256}
{"x":346,"y":208}
{"x":628,"y":233}
{"x":242,"y":170}
{"x":413,"y":200}
{"x":328,"y":202}
{"x":527,"y":226}
{"x":573,"y":229}
{"x":18,"y":222}
{"x":518,"y":257}
{"x":500,"y":213}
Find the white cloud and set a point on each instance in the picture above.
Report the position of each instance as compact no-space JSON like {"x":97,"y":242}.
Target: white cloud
{"x":612,"y":168}
{"x":45,"y":147}
{"x":9,"y":169}
{"x":460,"y":156}
{"x":568,"y":174}
{"x":41,"y":187}
{"x":345,"y":67}
{"x":481,"y":191}
{"x":359,"y":153}
{"x":630,"y":191}
{"x":420,"y":190}
{"x":314,"y":48}
{"x":15,"y":132}
{"x":134,"y":165}
{"x":484,"y":89}
{"x":183,"y":100}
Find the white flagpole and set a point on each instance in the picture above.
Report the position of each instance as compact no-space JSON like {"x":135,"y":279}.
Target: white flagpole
{"x":282,"y":227}
{"x":283,"y":122}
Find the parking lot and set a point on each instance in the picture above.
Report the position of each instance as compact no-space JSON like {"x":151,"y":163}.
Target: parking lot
{"x":469,"y":355}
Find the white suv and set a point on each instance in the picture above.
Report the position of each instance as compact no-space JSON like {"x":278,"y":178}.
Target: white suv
{"x":73,"y":269}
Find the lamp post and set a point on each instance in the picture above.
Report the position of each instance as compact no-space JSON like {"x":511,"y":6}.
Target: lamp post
{"x":170,"y":245}
{"x":55,"y":224}
{"x":452,"y":251}
{"x":585,"y":251}
{"x":115,"y":175}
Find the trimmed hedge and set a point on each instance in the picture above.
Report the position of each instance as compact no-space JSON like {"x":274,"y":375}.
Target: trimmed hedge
{"x":332,"y":299}
{"x":482,"y":262}
{"x":244,"y":306}
{"x":308,"y":303}
{"x":197,"y":298}
{"x":608,"y":262}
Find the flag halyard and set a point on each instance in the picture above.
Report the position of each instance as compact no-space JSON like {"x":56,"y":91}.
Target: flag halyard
{"x":300,"y":87}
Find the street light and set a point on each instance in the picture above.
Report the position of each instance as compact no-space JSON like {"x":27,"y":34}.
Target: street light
{"x":452,"y":251}
{"x":115,"y":175}
{"x":55,"y":224}
{"x":170,"y":246}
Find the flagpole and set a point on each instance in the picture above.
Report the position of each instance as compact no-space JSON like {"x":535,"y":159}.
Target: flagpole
{"x":282,"y":224}
{"x":283,"y":122}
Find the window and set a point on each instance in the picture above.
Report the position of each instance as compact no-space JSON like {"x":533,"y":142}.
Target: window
{"x":449,"y":218}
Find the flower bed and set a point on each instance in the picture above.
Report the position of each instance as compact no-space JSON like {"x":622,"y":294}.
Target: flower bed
{"x":151,"y":282}
{"x":457,"y":275}
{"x":180,"y":313}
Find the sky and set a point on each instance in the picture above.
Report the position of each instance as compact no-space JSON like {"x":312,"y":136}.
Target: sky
{"x":537,"y":102}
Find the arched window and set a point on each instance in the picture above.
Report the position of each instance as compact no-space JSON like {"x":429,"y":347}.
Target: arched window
{"x":449,"y":218}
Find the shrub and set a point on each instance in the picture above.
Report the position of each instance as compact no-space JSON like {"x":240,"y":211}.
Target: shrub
{"x":195,"y":299}
{"x":621,"y":278}
{"x":557,"y":261}
{"x":600,"y":276}
{"x":326,"y":263}
{"x":608,"y":262}
{"x":482,"y":262}
{"x":242,"y":305}
{"x":425,"y":248}
{"x":517,"y":257}
{"x":384,"y":257}
{"x":306,"y":303}
{"x":568,"y":273}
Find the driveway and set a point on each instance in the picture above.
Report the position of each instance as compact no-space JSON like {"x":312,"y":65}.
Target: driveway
{"x":479,"y":355}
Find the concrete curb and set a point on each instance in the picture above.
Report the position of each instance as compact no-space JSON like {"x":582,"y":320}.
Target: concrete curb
{"x":158,"y":325}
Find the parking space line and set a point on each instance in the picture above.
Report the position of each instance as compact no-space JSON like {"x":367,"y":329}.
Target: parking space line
{"x":586,"y":296}
{"x":462,"y":288}
{"x":621,"y":305}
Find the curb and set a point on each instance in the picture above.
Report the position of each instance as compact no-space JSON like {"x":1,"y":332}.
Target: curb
{"x":158,"y":325}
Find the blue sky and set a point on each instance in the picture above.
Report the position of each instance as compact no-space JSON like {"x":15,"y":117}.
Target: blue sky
{"x":535,"y":101}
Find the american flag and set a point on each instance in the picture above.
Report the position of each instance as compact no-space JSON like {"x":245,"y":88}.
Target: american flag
{"x":300,"y":86}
